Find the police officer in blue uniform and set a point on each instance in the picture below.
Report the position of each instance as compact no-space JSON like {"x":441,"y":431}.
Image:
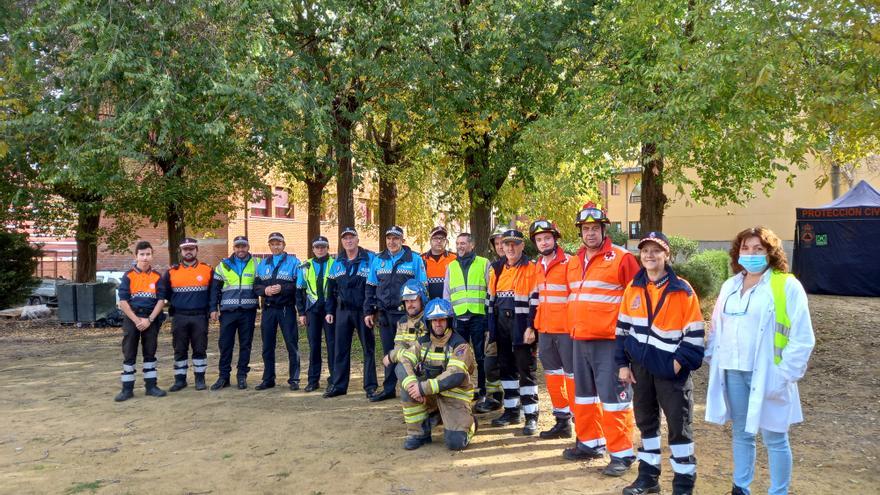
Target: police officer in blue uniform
{"x":388,"y":272}
{"x":276,"y":284}
{"x":233,"y":291}
{"x":346,"y":291}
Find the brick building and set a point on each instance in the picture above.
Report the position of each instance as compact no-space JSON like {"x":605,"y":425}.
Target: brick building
{"x":273,"y":214}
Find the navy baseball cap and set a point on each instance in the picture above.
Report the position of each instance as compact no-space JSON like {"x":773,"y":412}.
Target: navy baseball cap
{"x":320,"y":241}
{"x":276,"y":236}
{"x":241,"y":240}
{"x":394,"y":230}
{"x":512,"y":235}
{"x":189,"y":242}
{"x":348,"y":230}
{"x":657,"y":237}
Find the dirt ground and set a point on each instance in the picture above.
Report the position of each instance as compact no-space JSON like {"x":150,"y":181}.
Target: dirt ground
{"x":61,"y":432}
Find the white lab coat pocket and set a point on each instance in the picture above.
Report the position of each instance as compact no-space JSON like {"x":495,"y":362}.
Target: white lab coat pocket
{"x":778,"y":387}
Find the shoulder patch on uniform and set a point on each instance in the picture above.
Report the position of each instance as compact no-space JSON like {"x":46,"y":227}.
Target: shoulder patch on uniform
{"x":636,"y":302}
{"x":460,"y":351}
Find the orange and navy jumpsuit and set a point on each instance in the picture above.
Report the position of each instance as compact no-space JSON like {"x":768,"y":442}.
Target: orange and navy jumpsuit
{"x":511,"y":289}
{"x":660,"y":323}
{"x":551,"y":322}
{"x":602,"y":404}
{"x":142,"y":290}
{"x":188,"y":290}
{"x":435,"y":269}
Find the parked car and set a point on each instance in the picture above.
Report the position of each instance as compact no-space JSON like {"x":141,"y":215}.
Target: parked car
{"x":45,"y":293}
{"x":114,"y":278}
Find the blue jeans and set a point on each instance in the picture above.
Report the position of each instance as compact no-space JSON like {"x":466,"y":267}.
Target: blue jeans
{"x":739,"y":384}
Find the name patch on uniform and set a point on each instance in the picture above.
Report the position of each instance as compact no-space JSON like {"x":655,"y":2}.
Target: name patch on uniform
{"x":199,"y":278}
{"x":152,"y":286}
{"x":637,"y":301}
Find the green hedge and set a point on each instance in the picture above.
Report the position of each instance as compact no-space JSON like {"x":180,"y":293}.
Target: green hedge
{"x":18,"y":260}
{"x":706,"y":272}
{"x":682,"y":247}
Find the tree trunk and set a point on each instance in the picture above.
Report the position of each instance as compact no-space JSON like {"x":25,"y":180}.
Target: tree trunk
{"x":315,"y":197}
{"x":176,"y":231}
{"x":835,"y":180}
{"x":88,"y":220}
{"x":343,"y":110}
{"x":344,"y":192}
{"x":481,"y":211}
{"x":387,"y":206}
{"x":475,"y":165}
{"x":653,"y":199}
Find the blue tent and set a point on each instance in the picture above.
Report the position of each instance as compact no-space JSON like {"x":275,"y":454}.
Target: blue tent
{"x":836,"y":245}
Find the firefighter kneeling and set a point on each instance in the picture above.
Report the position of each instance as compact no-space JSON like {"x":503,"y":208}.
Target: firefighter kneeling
{"x":436,"y":379}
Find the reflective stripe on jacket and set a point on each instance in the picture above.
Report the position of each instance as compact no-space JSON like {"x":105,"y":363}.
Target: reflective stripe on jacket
{"x":597,"y":289}
{"x":552,"y":290}
{"x":232,"y":291}
{"x":657,"y":324}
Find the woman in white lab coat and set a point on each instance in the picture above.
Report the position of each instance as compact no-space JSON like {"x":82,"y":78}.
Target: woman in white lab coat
{"x":753,"y":373}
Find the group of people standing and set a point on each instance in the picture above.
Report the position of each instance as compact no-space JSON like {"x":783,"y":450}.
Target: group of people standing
{"x":617,"y":337}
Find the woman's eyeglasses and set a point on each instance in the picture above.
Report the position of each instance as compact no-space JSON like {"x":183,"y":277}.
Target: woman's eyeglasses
{"x":738,"y":313}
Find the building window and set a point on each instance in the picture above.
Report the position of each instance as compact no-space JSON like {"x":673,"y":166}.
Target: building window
{"x":368,"y":213}
{"x":617,"y":226}
{"x":283,"y":209}
{"x":635,"y":230}
{"x":636,"y":195}
{"x":260,"y":207}
{"x":615,"y":187}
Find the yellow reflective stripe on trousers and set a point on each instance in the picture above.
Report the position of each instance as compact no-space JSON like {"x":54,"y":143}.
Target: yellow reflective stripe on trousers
{"x":415,"y":414}
{"x":458,"y":393}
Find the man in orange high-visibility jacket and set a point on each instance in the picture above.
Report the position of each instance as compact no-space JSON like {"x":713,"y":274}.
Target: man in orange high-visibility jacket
{"x":437,"y":260}
{"x":511,"y":287}
{"x":551,"y":322}
{"x":597,"y":277}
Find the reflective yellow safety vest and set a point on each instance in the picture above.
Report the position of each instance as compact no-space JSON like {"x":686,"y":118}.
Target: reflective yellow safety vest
{"x":312,"y":279}
{"x":780,"y":305}
{"x":238,"y":292}
{"x":468,"y":296}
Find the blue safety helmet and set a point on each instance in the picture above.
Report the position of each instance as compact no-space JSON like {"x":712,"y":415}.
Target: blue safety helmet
{"x":437,"y":309}
{"x":413,"y":289}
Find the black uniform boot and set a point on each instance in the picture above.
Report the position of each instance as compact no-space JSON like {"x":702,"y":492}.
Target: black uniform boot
{"x":242,"y":382}
{"x":200,"y":381}
{"x":152,"y":389}
{"x":643,"y":484}
{"x":683,"y":484}
{"x":413,"y":442}
{"x":221,"y":382}
{"x":531,"y":426}
{"x":562,"y":429}
{"x":486,"y":404}
{"x":126,"y":393}
{"x":179,"y":383}
{"x":646,"y":482}
{"x":510,"y":417}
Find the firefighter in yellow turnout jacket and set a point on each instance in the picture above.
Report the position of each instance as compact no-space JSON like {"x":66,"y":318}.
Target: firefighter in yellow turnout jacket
{"x":437,"y":378}
{"x":412,"y":325}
